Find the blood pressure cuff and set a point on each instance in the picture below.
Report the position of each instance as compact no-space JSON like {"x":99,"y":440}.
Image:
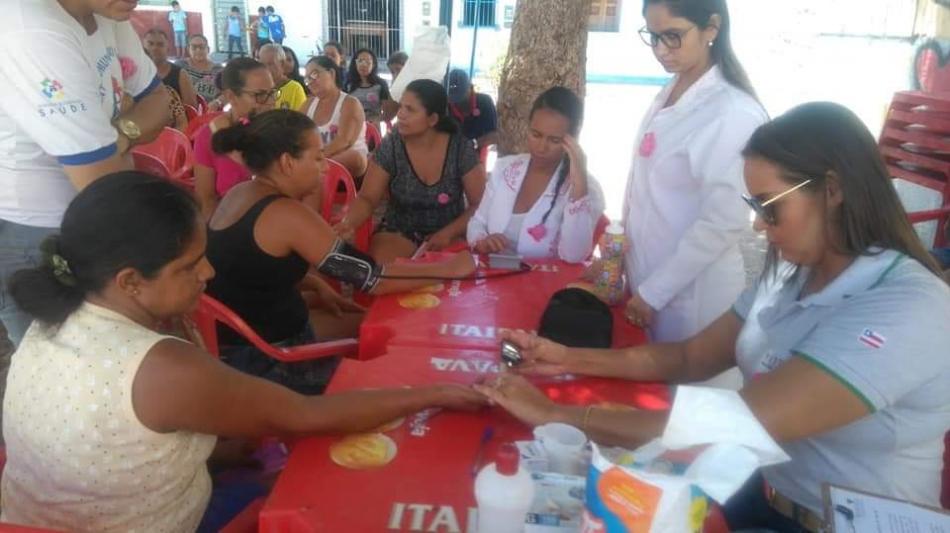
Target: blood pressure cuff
{"x":346,"y":263}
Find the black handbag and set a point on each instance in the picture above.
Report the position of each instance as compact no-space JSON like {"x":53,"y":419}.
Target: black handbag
{"x":577,"y":318}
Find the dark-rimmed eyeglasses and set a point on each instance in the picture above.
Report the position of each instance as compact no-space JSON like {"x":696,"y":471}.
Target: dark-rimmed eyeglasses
{"x":671,"y":39}
{"x":766,"y":209}
{"x":263,"y":97}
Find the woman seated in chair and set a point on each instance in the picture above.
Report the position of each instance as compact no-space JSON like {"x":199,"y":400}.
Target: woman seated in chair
{"x":339,"y":116}
{"x":431,"y":174}
{"x":248,"y":87}
{"x":263,"y":243}
{"x":364,"y":84}
{"x":842,"y":343}
{"x":108,"y":423}
{"x":543,"y":203}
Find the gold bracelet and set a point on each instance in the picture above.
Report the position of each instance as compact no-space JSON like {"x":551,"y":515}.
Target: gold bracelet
{"x":586,"y":418}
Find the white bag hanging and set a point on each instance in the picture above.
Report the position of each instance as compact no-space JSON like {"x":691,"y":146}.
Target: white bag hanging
{"x":428,"y":59}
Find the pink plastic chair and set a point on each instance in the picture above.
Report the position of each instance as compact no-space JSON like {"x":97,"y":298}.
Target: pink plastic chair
{"x":174,"y":149}
{"x":191,"y":113}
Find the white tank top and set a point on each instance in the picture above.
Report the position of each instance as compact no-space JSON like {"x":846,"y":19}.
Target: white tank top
{"x":329,"y":130}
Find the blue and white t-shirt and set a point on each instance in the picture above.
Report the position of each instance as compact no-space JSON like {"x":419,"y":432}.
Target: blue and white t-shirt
{"x":234,"y":26}
{"x":60,"y":89}
{"x":178,"y":21}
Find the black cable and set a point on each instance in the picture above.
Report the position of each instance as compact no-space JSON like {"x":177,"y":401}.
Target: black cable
{"x":523,"y":269}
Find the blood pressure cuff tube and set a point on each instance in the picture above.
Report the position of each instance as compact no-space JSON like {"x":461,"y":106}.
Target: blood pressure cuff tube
{"x":346,"y":263}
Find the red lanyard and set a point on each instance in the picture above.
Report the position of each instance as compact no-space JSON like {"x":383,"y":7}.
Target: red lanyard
{"x":471,"y":102}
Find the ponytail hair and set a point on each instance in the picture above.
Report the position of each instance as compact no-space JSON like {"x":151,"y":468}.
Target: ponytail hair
{"x":123,"y":220}
{"x":326,"y":63}
{"x":262,"y":139}
{"x":564,"y":102}
{"x":436,"y":102}
{"x":699,"y":12}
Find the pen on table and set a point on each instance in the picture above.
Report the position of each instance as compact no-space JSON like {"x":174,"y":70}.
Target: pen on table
{"x":486,"y":438}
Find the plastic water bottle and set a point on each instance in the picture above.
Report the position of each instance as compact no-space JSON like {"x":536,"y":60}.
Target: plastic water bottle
{"x":504,"y":492}
{"x":609,"y":282}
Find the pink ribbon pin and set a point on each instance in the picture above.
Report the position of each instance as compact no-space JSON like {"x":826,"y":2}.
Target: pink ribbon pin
{"x":648,"y":145}
{"x":443,"y":198}
{"x":538,"y":232}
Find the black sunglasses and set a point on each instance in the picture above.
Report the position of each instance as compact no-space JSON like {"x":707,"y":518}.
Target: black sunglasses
{"x":766,"y":210}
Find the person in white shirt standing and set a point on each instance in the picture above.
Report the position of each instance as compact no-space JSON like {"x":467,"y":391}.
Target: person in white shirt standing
{"x":76,"y":92}
{"x":683,"y":210}
{"x":179,"y":21}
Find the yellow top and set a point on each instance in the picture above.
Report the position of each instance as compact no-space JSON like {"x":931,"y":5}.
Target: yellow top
{"x":292,"y":96}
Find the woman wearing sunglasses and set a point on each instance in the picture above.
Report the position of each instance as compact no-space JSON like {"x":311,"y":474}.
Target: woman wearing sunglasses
{"x":842,"y":343}
{"x":248,"y":88}
{"x":683,"y":211}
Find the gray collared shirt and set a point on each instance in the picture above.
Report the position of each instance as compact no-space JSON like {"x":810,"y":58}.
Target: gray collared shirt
{"x":881,"y":328}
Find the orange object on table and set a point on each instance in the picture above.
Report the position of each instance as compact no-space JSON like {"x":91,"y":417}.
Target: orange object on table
{"x":471,"y":314}
{"x":428,"y":484}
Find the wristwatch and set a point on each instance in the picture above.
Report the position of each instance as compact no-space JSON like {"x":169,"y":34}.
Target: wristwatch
{"x":129,"y":129}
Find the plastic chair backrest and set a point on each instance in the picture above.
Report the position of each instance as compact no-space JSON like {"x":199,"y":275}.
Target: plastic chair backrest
{"x":600,"y":228}
{"x":191,"y":113}
{"x":210,"y":312}
{"x":174,"y":149}
{"x":202,"y":120}
{"x":373,"y":137}
{"x":336,"y":174}
{"x":146,"y":162}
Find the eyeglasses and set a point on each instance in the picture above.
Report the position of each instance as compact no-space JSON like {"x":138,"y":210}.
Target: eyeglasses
{"x":199,"y":47}
{"x":672,"y":39}
{"x":315,"y":75}
{"x":364,"y":61}
{"x":766,"y":210}
{"x":263,"y":97}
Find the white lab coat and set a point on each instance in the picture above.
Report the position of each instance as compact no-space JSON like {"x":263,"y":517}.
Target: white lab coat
{"x":569,"y":229}
{"x":683,"y":212}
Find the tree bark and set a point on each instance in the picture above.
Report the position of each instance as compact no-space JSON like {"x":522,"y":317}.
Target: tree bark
{"x":548,"y":47}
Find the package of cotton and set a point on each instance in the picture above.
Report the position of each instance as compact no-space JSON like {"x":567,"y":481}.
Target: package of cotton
{"x":711,"y":445}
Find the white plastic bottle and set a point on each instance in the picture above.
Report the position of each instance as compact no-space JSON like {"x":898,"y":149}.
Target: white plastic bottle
{"x":504,"y":492}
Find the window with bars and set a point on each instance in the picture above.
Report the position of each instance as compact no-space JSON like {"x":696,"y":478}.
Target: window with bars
{"x":480,"y":12}
{"x":604,"y":15}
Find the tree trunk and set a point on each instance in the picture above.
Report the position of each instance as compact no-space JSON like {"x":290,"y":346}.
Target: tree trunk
{"x":548,"y":47}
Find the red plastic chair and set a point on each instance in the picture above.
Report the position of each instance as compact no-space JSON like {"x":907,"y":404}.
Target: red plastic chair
{"x":335,"y":175}
{"x":202,"y":120}
{"x":373,"y":137}
{"x":191,"y":113}
{"x":150,"y":164}
{"x":174,"y":149}
{"x":210,"y":312}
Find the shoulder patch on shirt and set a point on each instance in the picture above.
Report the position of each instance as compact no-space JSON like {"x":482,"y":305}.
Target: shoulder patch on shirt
{"x":872,"y":338}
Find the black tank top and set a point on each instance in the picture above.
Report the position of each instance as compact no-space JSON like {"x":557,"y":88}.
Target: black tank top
{"x":173,"y":77}
{"x":260,"y":288}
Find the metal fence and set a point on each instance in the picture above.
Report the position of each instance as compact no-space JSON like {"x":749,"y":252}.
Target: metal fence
{"x":373,"y":24}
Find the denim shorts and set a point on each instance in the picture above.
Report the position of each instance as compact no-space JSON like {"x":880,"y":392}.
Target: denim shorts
{"x":305,"y":377}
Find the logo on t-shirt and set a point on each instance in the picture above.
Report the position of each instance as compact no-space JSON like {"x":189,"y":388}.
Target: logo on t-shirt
{"x":52,"y":90}
{"x":59,"y":105}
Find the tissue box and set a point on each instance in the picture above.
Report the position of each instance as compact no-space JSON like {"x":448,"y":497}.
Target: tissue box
{"x":558,"y":504}
{"x":533,"y":457}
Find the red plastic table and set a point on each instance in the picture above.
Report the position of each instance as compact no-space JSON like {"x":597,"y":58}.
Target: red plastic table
{"x":470,"y":314}
{"x":428,"y":486}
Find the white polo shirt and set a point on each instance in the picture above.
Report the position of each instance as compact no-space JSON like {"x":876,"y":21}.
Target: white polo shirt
{"x":881,"y":328}
{"x":60,"y":89}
